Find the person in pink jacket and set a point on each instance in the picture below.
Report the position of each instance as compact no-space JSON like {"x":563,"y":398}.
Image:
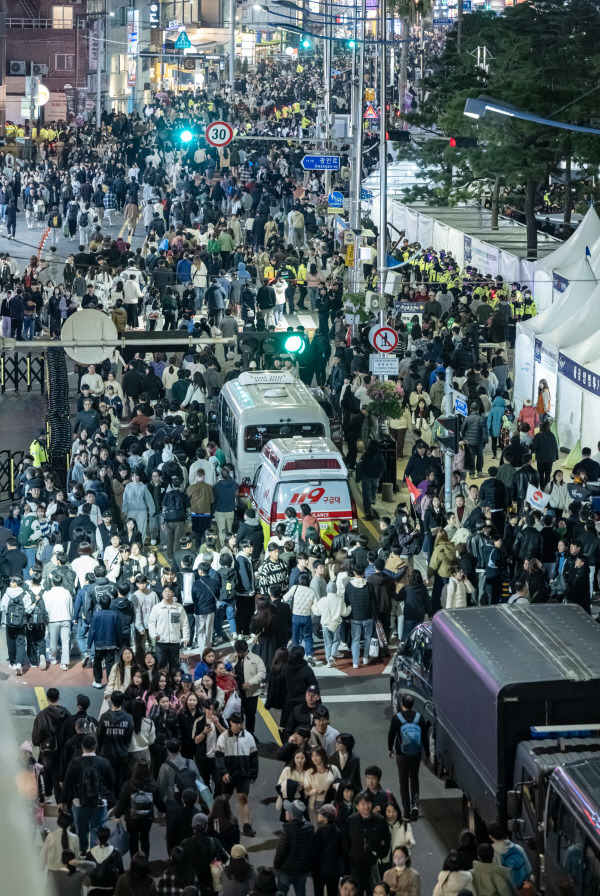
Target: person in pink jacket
{"x":528,"y":414}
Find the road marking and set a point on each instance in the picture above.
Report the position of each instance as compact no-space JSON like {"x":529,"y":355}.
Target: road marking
{"x":269,"y":721}
{"x":355,"y":698}
{"x":41,"y":698}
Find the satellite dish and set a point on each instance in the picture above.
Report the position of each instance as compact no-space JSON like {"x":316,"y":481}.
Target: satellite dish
{"x":89,"y":326}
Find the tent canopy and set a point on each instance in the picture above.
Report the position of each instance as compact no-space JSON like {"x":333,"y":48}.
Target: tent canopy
{"x":586,"y":235}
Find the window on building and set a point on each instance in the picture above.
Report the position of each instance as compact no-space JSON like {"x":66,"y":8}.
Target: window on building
{"x":62,"y":16}
{"x":64,"y":62}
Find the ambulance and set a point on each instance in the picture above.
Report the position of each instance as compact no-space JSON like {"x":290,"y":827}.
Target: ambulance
{"x":263,"y":405}
{"x":308,"y":471}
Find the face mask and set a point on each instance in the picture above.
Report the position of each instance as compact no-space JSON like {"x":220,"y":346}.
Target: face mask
{"x":404,"y":519}
{"x":399,"y":861}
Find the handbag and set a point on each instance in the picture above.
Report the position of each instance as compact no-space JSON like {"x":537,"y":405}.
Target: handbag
{"x":119,"y":839}
{"x":374,"y":648}
{"x":216,"y":872}
{"x":234,"y":704}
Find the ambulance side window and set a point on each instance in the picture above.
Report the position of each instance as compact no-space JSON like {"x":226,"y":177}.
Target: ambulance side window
{"x":256,"y":475}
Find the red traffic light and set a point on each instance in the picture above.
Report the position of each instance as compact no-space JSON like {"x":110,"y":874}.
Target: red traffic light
{"x":453,"y":142}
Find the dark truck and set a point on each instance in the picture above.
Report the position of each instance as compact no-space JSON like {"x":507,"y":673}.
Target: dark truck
{"x":510,"y":697}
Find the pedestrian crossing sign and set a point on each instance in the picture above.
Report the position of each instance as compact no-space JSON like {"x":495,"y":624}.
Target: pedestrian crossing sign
{"x":183,"y":42}
{"x":370,"y":112}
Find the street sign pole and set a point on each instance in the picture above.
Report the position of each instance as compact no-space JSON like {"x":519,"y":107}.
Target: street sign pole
{"x":357,"y":106}
{"x":448,"y":409}
{"x":232,"y":12}
{"x":382,"y":247}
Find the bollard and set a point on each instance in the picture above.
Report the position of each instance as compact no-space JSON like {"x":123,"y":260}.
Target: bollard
{"x":387,"y":492}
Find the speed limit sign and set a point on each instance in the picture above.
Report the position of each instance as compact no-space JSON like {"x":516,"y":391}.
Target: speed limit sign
{"x":219,"y":133}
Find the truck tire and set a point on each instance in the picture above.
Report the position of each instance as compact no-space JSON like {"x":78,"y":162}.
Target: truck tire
{"x":431,"y":752}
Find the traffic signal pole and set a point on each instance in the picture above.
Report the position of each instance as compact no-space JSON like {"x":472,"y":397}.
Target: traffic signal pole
{"x":448,"y":402}
{"x":382,"y":244}
{"x":358,"y":89}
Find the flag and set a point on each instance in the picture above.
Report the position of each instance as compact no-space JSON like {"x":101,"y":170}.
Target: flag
{"x":536,"y":498}
{"x":413,"y":491}
{"x":587,"y":252}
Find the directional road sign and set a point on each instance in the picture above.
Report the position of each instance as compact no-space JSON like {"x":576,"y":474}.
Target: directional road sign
{"x":219,"y":133}
{"x":321,"y":163}
{"x":183,"y":42}
{"x":460,"y":404}
{"x":335,"y":200}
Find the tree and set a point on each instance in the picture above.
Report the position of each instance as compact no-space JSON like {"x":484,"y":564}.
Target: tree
{"x":545,"y":57}
{"x":408,"y":11}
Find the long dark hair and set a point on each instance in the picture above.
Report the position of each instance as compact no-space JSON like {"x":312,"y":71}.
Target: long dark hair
{"x":121,"y":663}
{"x":221,"y":814}
{"x":138,"y":713}
{"x":140,"y":776}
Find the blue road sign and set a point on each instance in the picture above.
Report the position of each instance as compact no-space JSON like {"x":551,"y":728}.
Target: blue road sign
{"x":183,"y":42}
{"x":321,"y":163}
{"x":366,"y":194}
{"x":442,"y":21}
{"x":335,"y":200}
{"x":466,"y":5}
{"x":460,"y":404}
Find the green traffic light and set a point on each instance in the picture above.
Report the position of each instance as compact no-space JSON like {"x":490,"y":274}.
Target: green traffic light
{"x":351,"y":44}
{"x":305,"y":43}
{"x":186,"y":136}
{"x":294,"y":344}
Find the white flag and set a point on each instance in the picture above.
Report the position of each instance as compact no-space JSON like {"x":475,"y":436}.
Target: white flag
{"x":536,"y":497}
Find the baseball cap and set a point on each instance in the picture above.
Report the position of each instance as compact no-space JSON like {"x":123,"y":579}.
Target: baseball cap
{"x":238,"y":852}
{"x":200,"y":821}
{"x":313,"y":689}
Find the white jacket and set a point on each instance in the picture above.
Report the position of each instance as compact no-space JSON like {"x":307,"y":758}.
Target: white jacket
{"x":59,"y":604}
{"x":450,"y":883}
{"x":301,"y":598}
{"x":168,"y":623}
{"x":332,"y":609}
{"x":456,"y":593}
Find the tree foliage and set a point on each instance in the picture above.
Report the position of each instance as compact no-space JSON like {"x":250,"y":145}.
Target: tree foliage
{"x":545,"y":55}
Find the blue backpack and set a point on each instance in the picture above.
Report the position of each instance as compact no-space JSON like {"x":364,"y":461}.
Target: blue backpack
{"x":516,"y":861}
{"x":410,"y":736}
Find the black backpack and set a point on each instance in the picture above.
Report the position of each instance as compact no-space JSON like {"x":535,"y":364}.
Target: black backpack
{"x":142,"y":804}
{"x":38,"y":615}
{"x":185,"y":779}
{"x":106,"y":873}
{"x":174,"y":509}
{"x":90,"y":784}
{"x":84,"y":219}
{"x":15,"y":611}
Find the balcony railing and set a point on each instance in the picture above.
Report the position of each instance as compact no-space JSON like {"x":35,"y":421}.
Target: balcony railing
{"x":32,"y":24}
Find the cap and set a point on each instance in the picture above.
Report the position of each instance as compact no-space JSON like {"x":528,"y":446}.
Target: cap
{"x":187,"y":678}
{"x":238,"y":852}
{"x":252,"y":365}
{"x":58,"y":549}
{"x":313,"y":689}
{"x":328,"y":811}
{"x":250,"y":512}
{"x":296,"y":809}
{"x":200,"y":821}
{"x":527,"y":401}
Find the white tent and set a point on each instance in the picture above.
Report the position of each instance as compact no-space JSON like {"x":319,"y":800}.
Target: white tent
{"x":590,"y":410}
{"x":572,"y":301}
{"x":570,"y":394}
{"x":555,"y":271}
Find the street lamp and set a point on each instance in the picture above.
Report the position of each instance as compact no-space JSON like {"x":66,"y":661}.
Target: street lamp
{"x":479,"y":107}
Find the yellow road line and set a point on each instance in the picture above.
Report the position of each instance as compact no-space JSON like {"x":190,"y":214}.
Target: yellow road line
{"x":269,"y":721}
{"x":122,"y":230}
{"x":41,"y":698}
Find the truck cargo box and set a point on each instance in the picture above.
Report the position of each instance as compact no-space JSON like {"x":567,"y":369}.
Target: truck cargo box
{"x":499,"y":670}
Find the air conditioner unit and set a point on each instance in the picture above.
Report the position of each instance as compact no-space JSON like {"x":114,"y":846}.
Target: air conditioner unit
{"x":39,"y":69}
{"x":17,"y":68}
{"x":74,"y":2}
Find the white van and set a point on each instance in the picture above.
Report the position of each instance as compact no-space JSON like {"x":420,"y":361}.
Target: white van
{"x":293,"y":472}
{"x":258,"y":407}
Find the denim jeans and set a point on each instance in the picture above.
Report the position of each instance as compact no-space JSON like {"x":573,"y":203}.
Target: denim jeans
{"x":313,"y":292}
{"x":87,"y":822}
{"x":297,"y":881}
{"x":199,"y":297}
{"x":302,"y":631}
{"x":28,"y":327}
{"x":278,"y":313}
{"x":30,"y":554}
{"x":369,"y":492}
{"x":81,"y":637}
{"x":358,"y":630}
{"x":225,"y":611}
{"x":331,"y":641}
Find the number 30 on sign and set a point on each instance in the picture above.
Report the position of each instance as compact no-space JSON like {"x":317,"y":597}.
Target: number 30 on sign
{"x":219,"y":133}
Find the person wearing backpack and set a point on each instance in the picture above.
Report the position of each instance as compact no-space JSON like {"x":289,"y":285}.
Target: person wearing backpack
{"x":89,"y":781}
{"x":405,"y":739}
{"x":109,"y":865}
{"x":36,"y":622}
{"x":55,"y":223}
{"x":46,"y":727}
{"x":137,"y":799}
{"x":175,"y":510}
{"x":510,"y":855}
{"x":15,"y":603}
{"x":176,"y":775}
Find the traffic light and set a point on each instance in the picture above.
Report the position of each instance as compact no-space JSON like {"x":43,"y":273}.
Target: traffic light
{"x":446,"y":432}
{"x":397,"y":135}
{"x":351,"y":43}
{"x":186,"y":136}
{"x":463,"y":142}
{"x":305,"y":43}
{"x":294,"y":343}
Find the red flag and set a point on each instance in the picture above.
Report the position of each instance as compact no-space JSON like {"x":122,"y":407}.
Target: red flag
{"x":413,"y":491}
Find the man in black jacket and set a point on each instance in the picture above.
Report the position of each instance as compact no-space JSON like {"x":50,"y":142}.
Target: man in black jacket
{"x":365,"y":841}
{"x":408,"y":756}
{"x":115,"y":730}
{"x":89,"y":781}
{"x":493,"y":494}
{"x":45,"y":735}
{"x":294,"y":855}
{"x":525,"y":477}
{"x":200,"y":850}
{"x":528,"y":542}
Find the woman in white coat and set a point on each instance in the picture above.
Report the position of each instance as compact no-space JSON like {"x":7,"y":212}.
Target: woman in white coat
{"x":332,"y":609}
{"x":451,"y":880}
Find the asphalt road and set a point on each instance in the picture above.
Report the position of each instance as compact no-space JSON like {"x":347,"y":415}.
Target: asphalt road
{"x":358,"y":704}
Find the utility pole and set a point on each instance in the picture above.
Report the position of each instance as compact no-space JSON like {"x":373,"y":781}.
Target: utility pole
{"x":232,"y":11}
{"x":99,"y":72}
{"x":358,"y":89}
{"x":448,"y":402}
{"x":327,"y":60}
{"x":33,"y":98}
{"x":382,"y":244}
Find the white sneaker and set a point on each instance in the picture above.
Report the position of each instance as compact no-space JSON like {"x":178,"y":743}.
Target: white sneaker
{"x":42,"y":662}
{"x":366,"y":660}
{"x":53,"y":662}
{"x":97,"y":684}
{"x":64,"y":667}
{"x":19,"y":669}
{"x":12,"y":666}
{"x":355,"y":665}
{"x":331,"y":663}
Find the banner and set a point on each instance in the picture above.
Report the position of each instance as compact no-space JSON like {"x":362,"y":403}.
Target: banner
{"x":543,"y":354}
{"x":559,"y":283}
{"x":579,"y":375}
{"x":536,"y":497}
